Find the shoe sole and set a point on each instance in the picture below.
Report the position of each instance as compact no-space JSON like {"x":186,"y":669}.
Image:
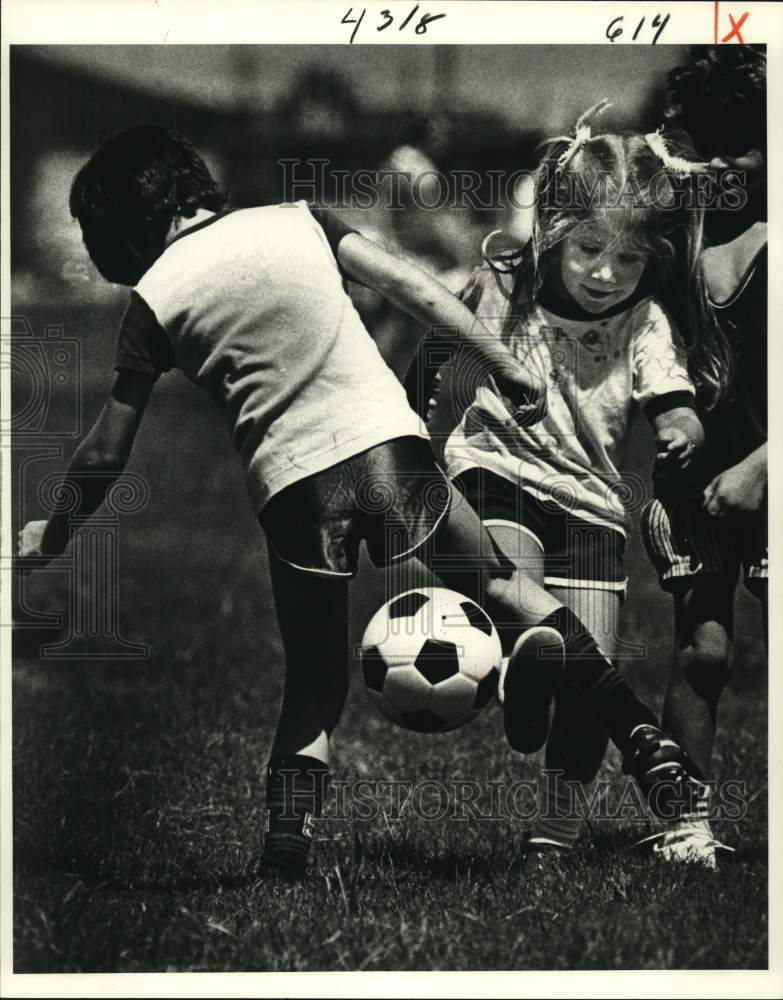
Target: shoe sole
{"x":534,"y":670}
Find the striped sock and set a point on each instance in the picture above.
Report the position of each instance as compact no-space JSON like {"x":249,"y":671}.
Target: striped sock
{"x":558,"y":824}
{"x":599,"y":681}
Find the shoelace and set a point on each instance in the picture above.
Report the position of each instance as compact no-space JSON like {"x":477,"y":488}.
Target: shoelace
{"x":688,"y":844}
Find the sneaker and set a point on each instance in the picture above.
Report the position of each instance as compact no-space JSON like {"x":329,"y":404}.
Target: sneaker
{"x":543,"y":857}
{"x":531,"y":675}
{"x":689,"y":842}
{"x":274,"y":863}
{"x":295,"y":789}
{"x":671,"y":782}
{"x":286,"y":851}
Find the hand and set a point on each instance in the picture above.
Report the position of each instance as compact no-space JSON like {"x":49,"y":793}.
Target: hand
{"x":741,"y":489}
{"x":524,"y":394}
{"x":30,"y":556}
{"x":675,"y":448}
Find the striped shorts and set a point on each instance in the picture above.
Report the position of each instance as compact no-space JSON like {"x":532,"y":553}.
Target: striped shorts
{"x":684,"y":542}
{"x":577,"y":553}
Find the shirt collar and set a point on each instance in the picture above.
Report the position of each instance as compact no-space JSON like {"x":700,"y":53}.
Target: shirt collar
{"x":201,"y":225}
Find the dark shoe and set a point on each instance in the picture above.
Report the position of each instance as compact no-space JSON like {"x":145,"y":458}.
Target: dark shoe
{"x":541,"y":858}
{"x":286,"y":852}
{"x":669,"y":779}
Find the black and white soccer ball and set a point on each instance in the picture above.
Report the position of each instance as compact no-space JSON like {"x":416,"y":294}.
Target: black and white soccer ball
{"x":430,"y":659}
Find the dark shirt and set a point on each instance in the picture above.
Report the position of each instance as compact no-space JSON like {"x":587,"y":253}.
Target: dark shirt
{"x":736,"y":278}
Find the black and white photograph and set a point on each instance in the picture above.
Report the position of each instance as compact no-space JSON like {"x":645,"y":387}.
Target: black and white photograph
{"x":385,"y":498}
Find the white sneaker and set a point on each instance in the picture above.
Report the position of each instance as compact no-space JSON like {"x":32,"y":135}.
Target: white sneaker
{"x":689,"y":842}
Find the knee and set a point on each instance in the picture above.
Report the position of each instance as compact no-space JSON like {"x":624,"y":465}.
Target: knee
{"x":501,"y":590}
{"x":504,"y":604}
{"x":704,"y":664}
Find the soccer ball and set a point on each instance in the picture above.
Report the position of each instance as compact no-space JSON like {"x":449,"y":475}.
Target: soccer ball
{"x":430,"y":659}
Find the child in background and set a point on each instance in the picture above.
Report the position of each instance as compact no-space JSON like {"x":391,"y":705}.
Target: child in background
{"x":580,"y":305}
{"x":703,"y":527}
{"x":250,"y":305}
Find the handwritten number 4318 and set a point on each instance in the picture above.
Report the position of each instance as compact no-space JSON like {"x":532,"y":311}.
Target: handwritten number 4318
{"x":388,"y":19}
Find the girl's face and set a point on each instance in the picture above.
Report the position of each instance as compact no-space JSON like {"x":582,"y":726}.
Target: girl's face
{"x":597,"y":269}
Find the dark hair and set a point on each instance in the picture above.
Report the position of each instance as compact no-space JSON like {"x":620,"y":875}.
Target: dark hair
{"x":719,"y":98}
{"x":129,"y":193}
{"x":623,"y":179}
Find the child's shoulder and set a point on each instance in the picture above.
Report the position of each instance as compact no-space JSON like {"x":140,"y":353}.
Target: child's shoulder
{"x":648,"y":317}
{"x":208,"y":258}
{"x":650,"y":308}
{"x":728,"y":266}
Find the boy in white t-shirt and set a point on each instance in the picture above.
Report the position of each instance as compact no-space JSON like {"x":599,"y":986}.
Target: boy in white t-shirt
{"x":250,"y":305}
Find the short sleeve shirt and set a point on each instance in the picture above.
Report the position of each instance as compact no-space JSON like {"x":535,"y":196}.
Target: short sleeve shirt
{"x":595,"y":369}
{"x":251,"y":306}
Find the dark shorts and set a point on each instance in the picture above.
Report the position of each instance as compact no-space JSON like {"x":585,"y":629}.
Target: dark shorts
{"x":577,"y":553}
{"x":684,"y":543}
{"x":392,"y":496}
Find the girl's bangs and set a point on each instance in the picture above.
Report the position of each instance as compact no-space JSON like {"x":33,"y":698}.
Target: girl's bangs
{"x":633,"y":228}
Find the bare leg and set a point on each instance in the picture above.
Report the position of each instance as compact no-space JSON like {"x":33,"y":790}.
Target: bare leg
{"x":704,"y":627}
{"x":759,"y":590}
{"x":510,"y":588}
{"x":312,"y":613}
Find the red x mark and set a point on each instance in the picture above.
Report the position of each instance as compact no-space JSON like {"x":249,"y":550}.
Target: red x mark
{"x":735,"y":25}
{"x":735,"y":28}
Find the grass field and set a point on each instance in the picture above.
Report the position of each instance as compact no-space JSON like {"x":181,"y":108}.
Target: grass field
{"x":138,"y":786}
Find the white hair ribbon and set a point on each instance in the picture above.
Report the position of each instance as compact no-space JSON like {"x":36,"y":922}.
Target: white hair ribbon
{"x":582,"y":133}
{"x":503,"y":261}
{"x":677,"y":164}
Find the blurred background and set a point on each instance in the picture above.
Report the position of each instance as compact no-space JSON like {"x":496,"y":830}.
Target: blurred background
{"x":248,"y":107}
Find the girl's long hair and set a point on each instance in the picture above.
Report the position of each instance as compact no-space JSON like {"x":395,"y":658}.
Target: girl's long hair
{"x":654,"y":208}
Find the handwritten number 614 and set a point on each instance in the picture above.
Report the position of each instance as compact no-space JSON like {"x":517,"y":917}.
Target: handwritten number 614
{"x":388,"y":18}
{"x":615,"y":27}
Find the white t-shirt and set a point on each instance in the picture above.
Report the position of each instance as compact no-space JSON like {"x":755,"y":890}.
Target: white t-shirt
{"x":250,"y":305}
{"x":595,"y":370}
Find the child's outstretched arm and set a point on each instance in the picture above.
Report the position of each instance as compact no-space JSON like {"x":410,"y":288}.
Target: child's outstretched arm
{"x":420,"y":295}
{"x":94,"y":467}
{"x":678,"y":433}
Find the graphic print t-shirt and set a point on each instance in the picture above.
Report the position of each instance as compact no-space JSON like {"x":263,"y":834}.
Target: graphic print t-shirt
{"x":596,"y":370}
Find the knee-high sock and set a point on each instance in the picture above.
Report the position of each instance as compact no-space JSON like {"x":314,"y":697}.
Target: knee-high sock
{"x":598,"y":680}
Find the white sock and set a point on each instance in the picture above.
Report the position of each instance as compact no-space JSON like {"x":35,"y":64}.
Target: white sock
{"x":319,"y":748}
